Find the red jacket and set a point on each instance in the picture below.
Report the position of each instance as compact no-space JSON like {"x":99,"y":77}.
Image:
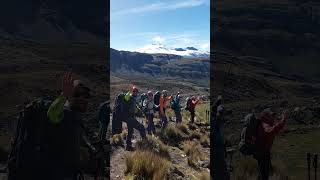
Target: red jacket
{"x":193,"y":104}
{"x":266,"y":132}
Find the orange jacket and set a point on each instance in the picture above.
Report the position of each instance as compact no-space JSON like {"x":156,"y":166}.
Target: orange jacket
{"x":163,"y":104}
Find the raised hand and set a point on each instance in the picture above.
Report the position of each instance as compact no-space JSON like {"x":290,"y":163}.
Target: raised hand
{"x":67,"y":85}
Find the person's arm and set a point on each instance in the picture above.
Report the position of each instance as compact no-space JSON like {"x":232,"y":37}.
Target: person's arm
{"x":161,"y":105}
{"x":273,"y":130}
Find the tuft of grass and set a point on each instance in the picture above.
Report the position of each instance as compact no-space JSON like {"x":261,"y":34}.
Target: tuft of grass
{"x":172,"y":135}
{"x":193,"y":151}
{"x":117,"y":140}
{"x":246,"y":168}
{"x":154,"y":145}
{"x":146,"y":165}
{"x":195,"y":135}
{"x":183,"y":128}
{"x":205,"y":141}
{"x":204,"y":175}
{"x":201,"y":113}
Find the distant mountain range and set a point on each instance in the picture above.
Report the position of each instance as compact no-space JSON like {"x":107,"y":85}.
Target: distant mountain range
{"x":158,"y":64}
{"x":188,"y":52}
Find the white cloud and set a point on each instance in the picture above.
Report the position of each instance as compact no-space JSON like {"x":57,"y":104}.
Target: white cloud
{"x":205,"y":46}
{"x":160,"y":6}
{"x":158,"y":39}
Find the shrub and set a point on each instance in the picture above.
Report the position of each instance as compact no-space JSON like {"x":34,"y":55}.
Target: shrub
{"x":154,"y":145}
{"x":193,"y":151}
{"x":146,"y":165}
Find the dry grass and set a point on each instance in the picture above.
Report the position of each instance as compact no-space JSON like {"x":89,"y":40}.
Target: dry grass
{"x":195,"y":135}
{"x":201,"y":113}
{"x":183,"y":128}
{"x":246,"y":169}
{"x":117,"y":140}
{"x":154,"y":145}
{"x":172,"y":135}
{"x":204,"y":175}
{"x":193,"y":151}
{"x":205,"y":141}
{"x":146,"y":165}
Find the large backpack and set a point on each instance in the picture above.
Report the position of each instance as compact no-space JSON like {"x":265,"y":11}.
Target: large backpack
{"x":247,"y":145}
{"x":27,"y":157}
{"x":188,"y":104}
{"x":174,"y":103}
{"x":156,"y":99}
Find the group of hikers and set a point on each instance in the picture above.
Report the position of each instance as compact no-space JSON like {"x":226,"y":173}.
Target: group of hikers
{"x":127,"y":105}
{"x":50,"y":132}
{"x":261,"y":127}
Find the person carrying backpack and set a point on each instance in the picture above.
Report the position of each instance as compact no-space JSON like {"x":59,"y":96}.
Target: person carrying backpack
{"x":176,"y":107}
{"x":267,"y":129}
{"x":192,"y":106}
{"x":125,"y":110}
{"x":65,"y":116}
{"x":104,"y":119}
{"x":149,"y":106}
{"x":163,"y":103}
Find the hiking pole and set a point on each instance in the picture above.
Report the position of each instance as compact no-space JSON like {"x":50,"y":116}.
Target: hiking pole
{"x":308,"y":160}
{"x":315,"y":163}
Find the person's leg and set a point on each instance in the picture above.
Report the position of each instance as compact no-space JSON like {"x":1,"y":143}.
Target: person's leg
{"x":153,"y":129}
{"x":180,"y":117}
{"x":149,"y":124}
{"x":192,"y":116}
{"x":164,"y":122}
{"x":263,"y":167}
{"x":138,"y":126}
{"x":130,"y":133}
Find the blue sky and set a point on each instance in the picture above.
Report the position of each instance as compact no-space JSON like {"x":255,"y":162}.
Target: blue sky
{"x":175,"y":23}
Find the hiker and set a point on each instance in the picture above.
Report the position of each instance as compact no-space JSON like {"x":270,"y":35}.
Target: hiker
{"x":268,"y":128}
{"x":125,"y":110}
{"x":219,"y":155}
{"x":193,"y":103}
{"x":104,"y":119}
{"x":65,"y":114}
{"x":164,"y":99}
{"x":176,"y":107}
{"x":149,"y":112}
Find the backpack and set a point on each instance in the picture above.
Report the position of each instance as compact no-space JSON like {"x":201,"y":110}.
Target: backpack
{"x":247,"y":145}
{"x":156,"y":100}
{"x":116,"y":114}
{"x":27,"y":157}
{"x":174,"y":104}
{"x":188,"y":104}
